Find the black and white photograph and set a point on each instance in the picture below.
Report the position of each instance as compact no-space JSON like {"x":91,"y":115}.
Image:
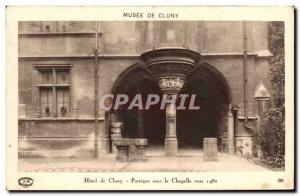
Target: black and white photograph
{"x":152,"y":93}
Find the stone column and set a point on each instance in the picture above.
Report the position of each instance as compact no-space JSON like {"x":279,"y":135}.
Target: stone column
{"x":140,"y":124}
{"x":171,"y":87}
{"x":230,"y":132}
{"x":115,"y":134}
{"x":140,"y":117}
{"x":171,"y":143}
{"x":170,"y":67}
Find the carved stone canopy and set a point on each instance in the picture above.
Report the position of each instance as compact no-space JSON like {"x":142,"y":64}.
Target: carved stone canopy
{"x":170,"y":84}
{"x":171,"y":66}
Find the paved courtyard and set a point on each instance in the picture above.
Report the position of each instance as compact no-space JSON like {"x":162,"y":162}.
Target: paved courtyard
{"x":153,"y":163}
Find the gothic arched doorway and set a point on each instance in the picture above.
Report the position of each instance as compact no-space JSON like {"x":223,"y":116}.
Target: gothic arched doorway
{"x":213,"y":97}
{"x":140,"y":123}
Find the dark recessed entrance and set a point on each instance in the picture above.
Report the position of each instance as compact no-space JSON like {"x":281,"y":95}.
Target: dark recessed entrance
{"x":149,"y":124}
{"x":210,"y":120}
{"x":212,"y":95}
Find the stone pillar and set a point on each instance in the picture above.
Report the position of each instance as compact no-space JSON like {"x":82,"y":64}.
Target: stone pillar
{"x":171,"y":143}
{"x":140,"y":117}
{"x":230,"y":132}
{"x":140,"y":124}
{"x":171,"y":86}
{"x":115,"y":134}
{"x":170,"y":66}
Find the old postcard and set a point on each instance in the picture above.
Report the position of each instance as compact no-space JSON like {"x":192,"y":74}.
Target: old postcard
{"x":150,"y":98}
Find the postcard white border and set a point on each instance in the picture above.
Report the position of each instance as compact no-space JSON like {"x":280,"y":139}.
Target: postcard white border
{"x":74,"y":181}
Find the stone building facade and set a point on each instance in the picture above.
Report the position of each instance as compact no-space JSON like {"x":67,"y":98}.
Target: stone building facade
{"x":65,"y":67}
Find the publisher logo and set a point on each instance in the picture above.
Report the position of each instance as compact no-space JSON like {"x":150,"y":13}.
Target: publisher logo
{"x":25,"y":181}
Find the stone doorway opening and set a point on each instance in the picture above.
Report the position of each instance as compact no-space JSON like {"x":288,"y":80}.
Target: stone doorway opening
{"x":141,"y":123}
{"x":210,"y":121}
{"x":174,"y":72}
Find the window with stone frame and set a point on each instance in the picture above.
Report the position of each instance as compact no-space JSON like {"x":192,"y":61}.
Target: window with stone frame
{"x":53,"y":86}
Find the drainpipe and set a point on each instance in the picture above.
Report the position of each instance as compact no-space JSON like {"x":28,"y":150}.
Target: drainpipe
{"x":96,"y":94}
{"x":245,"y":76}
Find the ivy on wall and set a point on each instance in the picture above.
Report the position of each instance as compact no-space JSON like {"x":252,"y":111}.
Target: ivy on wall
{"x":272,"y":136}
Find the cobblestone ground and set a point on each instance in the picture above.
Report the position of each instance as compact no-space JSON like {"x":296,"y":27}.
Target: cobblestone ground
{"x":154,"y":163}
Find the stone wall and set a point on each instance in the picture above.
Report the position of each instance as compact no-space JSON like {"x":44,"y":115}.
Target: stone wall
{"x":120,"y":45}
{"x":56,"y":138}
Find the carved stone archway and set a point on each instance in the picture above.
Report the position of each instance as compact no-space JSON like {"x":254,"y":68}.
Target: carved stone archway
{"x":149,"y":124}
{"x":171,"y":67}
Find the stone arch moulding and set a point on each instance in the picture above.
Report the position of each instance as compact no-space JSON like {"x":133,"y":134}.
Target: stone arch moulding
{"x":126,"y":79}
{"x":125,"y":74}
{"x":216,"y":73}
{"x":136,"y":79}
{"x":163,"y":64}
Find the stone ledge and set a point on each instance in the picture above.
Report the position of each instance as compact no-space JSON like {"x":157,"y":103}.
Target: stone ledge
{"x":60,"y":119}
{"x":137,"y":56}
{"x":129,"y":141}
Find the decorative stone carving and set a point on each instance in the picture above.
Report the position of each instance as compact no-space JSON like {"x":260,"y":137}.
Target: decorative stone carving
{"x":171,"y":84}
{"x":261,"y":93}
{"x":170,"y":67}
{"x":262,"y":98}
{"x":170,"y":62}
{"x":116,"y":128}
